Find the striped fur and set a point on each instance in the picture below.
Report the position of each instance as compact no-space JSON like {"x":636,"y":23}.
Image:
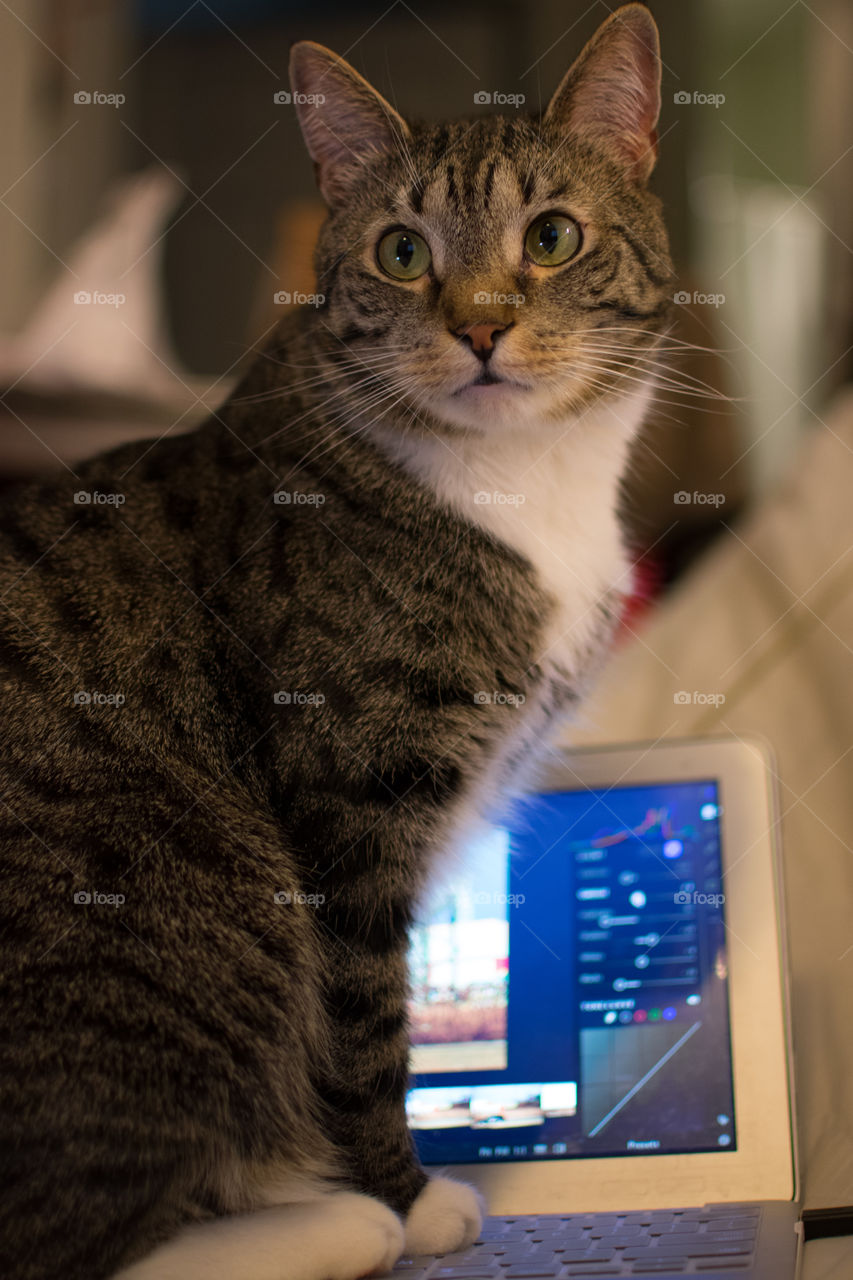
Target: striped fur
{"x":211,"y":859}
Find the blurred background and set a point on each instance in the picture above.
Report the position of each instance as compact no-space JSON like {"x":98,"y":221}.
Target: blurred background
{"x":155,"y":196}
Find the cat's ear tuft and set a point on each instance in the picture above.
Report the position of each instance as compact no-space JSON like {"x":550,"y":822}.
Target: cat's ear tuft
{"x":344,"y":121}
{"x":610,"y":96}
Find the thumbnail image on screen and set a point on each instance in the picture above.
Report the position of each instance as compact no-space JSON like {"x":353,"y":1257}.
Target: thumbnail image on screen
{"x":459,"y":967}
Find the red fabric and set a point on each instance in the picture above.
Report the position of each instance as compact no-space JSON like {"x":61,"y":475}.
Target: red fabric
{"x":647,"y":583}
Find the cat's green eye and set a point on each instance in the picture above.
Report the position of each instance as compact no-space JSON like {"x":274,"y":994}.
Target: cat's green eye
{"x":403,"y":254}
{"x":552,"y":240}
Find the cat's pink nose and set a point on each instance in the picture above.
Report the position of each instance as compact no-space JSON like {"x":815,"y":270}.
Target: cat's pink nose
{"x":482,"y":336}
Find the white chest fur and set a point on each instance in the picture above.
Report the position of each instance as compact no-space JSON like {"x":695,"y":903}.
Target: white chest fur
{"x":549,"y":491}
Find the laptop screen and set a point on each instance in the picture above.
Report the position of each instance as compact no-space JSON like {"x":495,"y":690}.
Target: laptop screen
{"x":570,"y":986}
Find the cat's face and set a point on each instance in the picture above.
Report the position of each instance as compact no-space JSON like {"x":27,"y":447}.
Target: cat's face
{"x":495,"y":272}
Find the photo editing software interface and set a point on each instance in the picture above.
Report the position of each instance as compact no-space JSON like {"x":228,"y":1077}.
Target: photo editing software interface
{"x":570,"y":984}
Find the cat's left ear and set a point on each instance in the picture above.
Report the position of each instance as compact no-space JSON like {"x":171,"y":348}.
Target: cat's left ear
{"x":343,"y":119}
{"x":610,"y":96}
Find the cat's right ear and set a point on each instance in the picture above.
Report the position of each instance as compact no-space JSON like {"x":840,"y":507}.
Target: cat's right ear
{"x":343,"y":119}
{"x":611,"y":94}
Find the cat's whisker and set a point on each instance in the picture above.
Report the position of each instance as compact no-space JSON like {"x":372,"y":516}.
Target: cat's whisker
{"x":379,"y":347}
{"x":402,"y":148}
{"x":653,"y":356}
{"x":593,"y":379}
{"x":367,"y":404}
{"x":319,"y":380}
{"x":670,"y":344}
{"x":665,"y":380}
{"x":646,"y":364}
{"x":333,"y":439}
{"x":348,"y":390}
{"x":333,"y":374}
{"x":628,"y":372}
{"x":662,"y":336}
{"x":666,"y":375}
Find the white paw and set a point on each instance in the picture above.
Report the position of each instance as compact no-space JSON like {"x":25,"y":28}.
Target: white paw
{"x":343,"y":1236}
{"x":370,"y":1237}
{"x":446,"y":1216}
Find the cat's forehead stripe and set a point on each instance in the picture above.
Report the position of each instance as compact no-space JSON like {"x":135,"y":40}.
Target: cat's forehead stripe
{"x":528,"y":185}
{"x":452,"y":192}
{"x":487,"y":185}
{"x":469,"y":165}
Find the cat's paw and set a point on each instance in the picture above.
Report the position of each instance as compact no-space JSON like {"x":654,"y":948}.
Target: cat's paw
{"x":369,"y":1235}
{"x":446,"y":1216}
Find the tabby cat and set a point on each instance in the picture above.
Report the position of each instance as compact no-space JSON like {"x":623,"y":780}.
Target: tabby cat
{"x":258,"y":678}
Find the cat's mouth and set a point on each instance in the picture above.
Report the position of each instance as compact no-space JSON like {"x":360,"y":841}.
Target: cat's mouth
{"x":486,"y":378}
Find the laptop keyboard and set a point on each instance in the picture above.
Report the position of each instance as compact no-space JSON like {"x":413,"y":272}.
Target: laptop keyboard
{"x":717,"y":1240}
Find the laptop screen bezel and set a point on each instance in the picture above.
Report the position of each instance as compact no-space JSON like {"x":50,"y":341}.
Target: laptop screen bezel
{"x":763,"y":1165}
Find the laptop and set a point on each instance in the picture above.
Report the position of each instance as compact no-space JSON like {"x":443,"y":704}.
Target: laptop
{"x":599,"y":1025}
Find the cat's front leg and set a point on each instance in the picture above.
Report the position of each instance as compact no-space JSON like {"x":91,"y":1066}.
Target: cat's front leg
{"x":367,"y":1003}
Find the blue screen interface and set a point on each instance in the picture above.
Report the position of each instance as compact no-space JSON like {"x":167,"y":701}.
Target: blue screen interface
{"x":570,"y":984}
